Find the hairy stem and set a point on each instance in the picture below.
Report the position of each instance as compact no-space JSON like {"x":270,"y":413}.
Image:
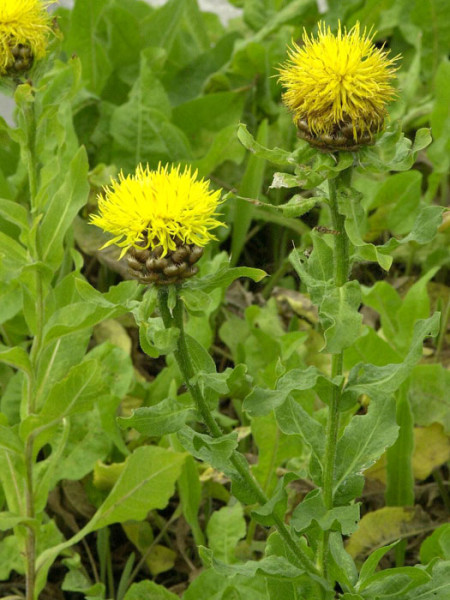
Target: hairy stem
{"x":236,"y":459}
{"x":30,"y":547}
{"x":30,"y":122}
{"x":341,"y":270}
{"x":30,"y":544}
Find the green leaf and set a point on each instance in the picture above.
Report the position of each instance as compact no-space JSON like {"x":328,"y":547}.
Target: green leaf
{"x":395,"y":583}
{"x":225,"y":528}
{"x":209,"y":584}
{"x":13,"y":257}
{"x":312,"y":509}
{"x":16,"y":357}
{"x":62,"y":208}
{"x":190,"y":491}
{"x":277,"y":156}
{"x":342,"y":564}
{"x":162,"y":25}
{"x":211,"y":112}
{"x":399,"y":472}
{"x":197,"y":302}
{"x":225,"y":146}
{"x":364,"y":440}
{"x":415,"y":306}
{"x":261,"y":401}
{"x":155,"y":339}
{"x":94,"y":308}
{"x":165,"y":417}
{"x":11,"y":557}
{"x":299,"y":588}
{"x":371,"y":563}
{"x":340,"y":317}
{"x":293,"y":419}
{"x":9,"y":440}
{"x":9,"y":520}
{"x":11,"y":300}
{"x":148,"y":589}
{"x":355,"y":226}
{"x":215,"y":451}
{"x":275,"y":449}
{"x":385,"y":380}
{"x":76,"y":393}
{"x":146,"y":483}
{"x":316,"y":272}
{"x":224,"y":277}
{"x":202,"y":361}
{"x":143,"y":124}
{"x":85,"y":39}
{"x":432,"y":21}
{"x":270,"y":566}
{"x":251,"y":186}
{"x":436,"y":545}
{"x":297,"y":206}
{"x":399,"y":199}
{"x":393,"y":151}
{"x":429,"y":394}
{"x":14,"y":213}
{"x":436,"y":589}
{"x":439,"y":151}
{"x":277,"y":504}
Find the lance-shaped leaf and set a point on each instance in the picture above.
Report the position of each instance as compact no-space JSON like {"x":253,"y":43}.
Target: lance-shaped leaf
{"x":340,"y":318}
{"x":215,"y":451}
{"x":223,"y":278}
{"x":165,"y":417}
{"x":364,"y":440}
{"x":270,"y":566}
{"x":261,"y":401}
{"x":293,"y":419}
{"x":276,"y":505}
{"x":146,"y":483}
{"x":312,"y":509}
{"x":385,"y":380}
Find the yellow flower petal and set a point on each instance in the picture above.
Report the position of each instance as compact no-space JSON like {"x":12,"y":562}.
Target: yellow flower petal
{"x":336,"y":80}
{"x":25,"y":22}
{"x":154,"y":208}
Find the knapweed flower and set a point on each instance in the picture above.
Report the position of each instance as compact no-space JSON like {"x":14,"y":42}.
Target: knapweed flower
{"x":337,"y":87}
{"x":163,"y":217}
{"x":24,"y":31}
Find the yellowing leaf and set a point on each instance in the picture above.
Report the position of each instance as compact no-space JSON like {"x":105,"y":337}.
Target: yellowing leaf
{"x":105,"y":476}
{"x":431,"y":449}
{"x":386,"y":525}
{"x":112,"y":331}
{"x":161,"y":559}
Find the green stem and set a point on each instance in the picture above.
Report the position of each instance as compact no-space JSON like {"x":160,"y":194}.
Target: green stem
{"x":331,"y":435}
{"x":341,"y":257}
{"x":30,"y":544}
{"x":30,"y":547}
{"x":341,"y":271}
{"x":30,"y":121}
{"x":236,"y":459}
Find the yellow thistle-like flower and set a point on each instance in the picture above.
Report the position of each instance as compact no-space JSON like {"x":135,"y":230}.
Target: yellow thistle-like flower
{"x":337,"y":87}
{"x":161,"y":208}
{"x":24,"y":30}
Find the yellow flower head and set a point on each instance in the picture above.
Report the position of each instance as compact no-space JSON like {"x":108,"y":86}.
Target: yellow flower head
{"x":24,"y":30}
{"x":338,"y":81}
{"x":158,"y":208}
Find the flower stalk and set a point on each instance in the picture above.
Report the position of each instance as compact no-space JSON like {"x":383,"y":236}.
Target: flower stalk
{"x":175,"y":318}
{"x":341,"y":270}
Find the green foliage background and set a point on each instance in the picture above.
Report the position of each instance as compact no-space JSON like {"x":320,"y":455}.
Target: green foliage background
{"x":129,"y":83}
